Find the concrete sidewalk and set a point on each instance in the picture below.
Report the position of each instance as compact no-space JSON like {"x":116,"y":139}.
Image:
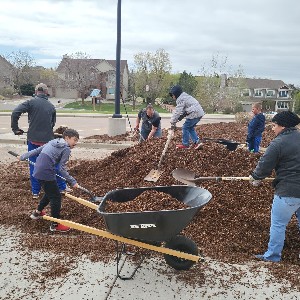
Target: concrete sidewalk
{"x":22,"y":276}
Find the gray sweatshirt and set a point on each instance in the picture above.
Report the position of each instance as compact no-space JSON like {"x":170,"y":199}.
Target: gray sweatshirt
{"x":185,"y":103}
{"x":54,"y":152}
{"x":41,"y":118}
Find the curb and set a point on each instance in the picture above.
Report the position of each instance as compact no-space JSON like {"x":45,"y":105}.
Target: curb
{"x":106,"y":146}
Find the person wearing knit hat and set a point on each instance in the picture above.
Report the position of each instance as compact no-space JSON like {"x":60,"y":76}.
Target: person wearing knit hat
{"x":189,"y":108}
{"x":283,"y":156}
{"x":286,"y":119}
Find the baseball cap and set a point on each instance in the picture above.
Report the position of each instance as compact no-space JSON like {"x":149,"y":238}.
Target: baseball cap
{"x":41,"y":87}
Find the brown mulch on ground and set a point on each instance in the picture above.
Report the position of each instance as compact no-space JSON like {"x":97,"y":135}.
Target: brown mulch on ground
{"x":232,"y":227}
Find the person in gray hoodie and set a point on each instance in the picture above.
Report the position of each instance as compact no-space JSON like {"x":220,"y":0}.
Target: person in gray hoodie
{"x":282,"y":155}
{"x":186,"y":107}
{"x":56,"y":152}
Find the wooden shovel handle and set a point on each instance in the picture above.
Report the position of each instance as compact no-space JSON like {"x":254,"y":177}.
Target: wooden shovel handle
{"x":121,"y":239}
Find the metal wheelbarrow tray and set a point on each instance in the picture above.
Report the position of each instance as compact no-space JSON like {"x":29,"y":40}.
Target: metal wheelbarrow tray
{"x":152,"y":226}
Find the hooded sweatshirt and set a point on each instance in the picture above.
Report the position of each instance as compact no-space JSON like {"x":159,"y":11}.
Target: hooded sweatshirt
{"x":187,"y":105}
{"x":54,"y":152}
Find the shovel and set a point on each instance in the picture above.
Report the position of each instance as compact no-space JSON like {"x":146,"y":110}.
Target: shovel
{"x":230,"y":145}
{"x":188,"y":177}
{"x":155,"y":174}
{"x":93,"y":197}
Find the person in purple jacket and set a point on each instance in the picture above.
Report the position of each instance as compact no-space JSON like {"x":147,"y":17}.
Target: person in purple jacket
{"x":255,"y":128}
{"x":56,"y":152}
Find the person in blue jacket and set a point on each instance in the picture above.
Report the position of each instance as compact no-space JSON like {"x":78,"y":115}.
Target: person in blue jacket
{"x":55,"y":153}
{"x":255,"y":128}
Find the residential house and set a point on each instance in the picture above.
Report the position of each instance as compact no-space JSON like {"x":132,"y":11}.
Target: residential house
{"x":274,"y":95}
{"x":6,"y":74}
{"x":81,"y":76}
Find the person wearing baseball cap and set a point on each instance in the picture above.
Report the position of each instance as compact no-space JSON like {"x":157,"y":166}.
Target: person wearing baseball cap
{"x":41,"y":119}
{"x":283,"y":156}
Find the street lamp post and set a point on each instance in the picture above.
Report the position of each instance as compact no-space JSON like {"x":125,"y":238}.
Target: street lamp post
{"x":118,"y":64}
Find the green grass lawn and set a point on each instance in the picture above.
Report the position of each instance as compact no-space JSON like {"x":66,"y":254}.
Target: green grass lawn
{"x":107,"y":108}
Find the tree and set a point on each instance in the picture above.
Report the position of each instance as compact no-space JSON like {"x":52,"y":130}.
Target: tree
{"x":80,"y":73}
{"x":22,"y":64}
{"x":188,"y":83}
{"x":151,"y":74}
{"x":219,"y":88}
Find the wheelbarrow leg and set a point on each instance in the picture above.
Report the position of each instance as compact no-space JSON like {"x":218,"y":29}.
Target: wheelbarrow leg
{"x":122,"y":250}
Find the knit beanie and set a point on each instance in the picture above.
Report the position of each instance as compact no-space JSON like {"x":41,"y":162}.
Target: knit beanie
{"x":286,"y":119}
{"x":176,"y":90}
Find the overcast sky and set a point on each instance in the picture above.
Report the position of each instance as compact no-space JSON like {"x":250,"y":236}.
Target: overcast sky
{"x":260,"y":35}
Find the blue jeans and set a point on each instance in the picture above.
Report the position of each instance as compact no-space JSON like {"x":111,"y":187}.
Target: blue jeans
{"x":145,"y":133}
{"x":283,"y":209}
{"x":35,"y":185}
{"x":188,"y":130}
{"x":253,"y":144}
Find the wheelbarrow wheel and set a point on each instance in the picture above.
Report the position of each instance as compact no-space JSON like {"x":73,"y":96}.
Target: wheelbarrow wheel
{"x":183,"y":244}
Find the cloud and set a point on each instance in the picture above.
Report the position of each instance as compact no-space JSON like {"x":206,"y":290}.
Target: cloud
{"x":259,"y":35}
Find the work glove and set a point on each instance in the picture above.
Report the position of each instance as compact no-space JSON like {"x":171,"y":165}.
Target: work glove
{"x":173,"y":126}
{"x":18,"y":131}
{"x":255,"y":182}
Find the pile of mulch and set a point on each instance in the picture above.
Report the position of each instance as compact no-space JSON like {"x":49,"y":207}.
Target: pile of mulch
{"x":231,"y":228}
{"x":149,"y":200}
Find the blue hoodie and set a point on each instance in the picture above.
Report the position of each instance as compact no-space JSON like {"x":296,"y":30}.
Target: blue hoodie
{"x":256,"y":126}
{"x":55,"y":152}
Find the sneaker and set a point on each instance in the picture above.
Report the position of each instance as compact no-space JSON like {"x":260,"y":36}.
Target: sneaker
{"x":59,"y":227}
{"x":37,"y":215}
{"x":181,"y":146}
{"x":198,"y":146}
{"x":35,"y":196}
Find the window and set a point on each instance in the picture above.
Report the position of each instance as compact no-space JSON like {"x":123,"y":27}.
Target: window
{"x":258,"y":93}
{"x":282,"y":104}
{"x":111,"y":91}
{"x":283,"y":94}
{"x":270,"y":93}
{"x":246,"y":93}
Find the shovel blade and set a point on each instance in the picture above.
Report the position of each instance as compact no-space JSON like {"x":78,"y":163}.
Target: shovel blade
{"x":153,"y":175}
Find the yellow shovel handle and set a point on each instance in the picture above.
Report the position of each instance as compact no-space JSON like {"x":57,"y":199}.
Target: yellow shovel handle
{"x":108,"y":235}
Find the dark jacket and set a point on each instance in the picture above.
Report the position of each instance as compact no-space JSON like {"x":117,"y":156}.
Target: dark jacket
{"x":283,"y":155}
{"x":256,"y":126}
{"x":55,"y":152}
{"x":41,"y":118}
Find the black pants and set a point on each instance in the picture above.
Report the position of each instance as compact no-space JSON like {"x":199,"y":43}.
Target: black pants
{"x":52,"y":196}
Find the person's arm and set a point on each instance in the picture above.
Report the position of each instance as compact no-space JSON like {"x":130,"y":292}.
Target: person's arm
{"x":259,"y":125}
{"x":53,"y":121}
{"x":15,"y":116}
{"x":178,"y":111}
{"x":152,"y":132}
{"x":138,"y":120}
{"x":155,"y":125}
{"x":33,"y":152}
{"x":137,"y":123}
{"x":267,"y":162}
{"x":62,"y":168}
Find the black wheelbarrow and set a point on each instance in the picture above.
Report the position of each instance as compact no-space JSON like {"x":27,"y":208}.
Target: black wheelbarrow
{"x":154,"y":230}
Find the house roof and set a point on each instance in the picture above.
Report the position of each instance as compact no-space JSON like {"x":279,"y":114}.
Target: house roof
{"x":253,"y":83}
{"x":89,"y":62}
